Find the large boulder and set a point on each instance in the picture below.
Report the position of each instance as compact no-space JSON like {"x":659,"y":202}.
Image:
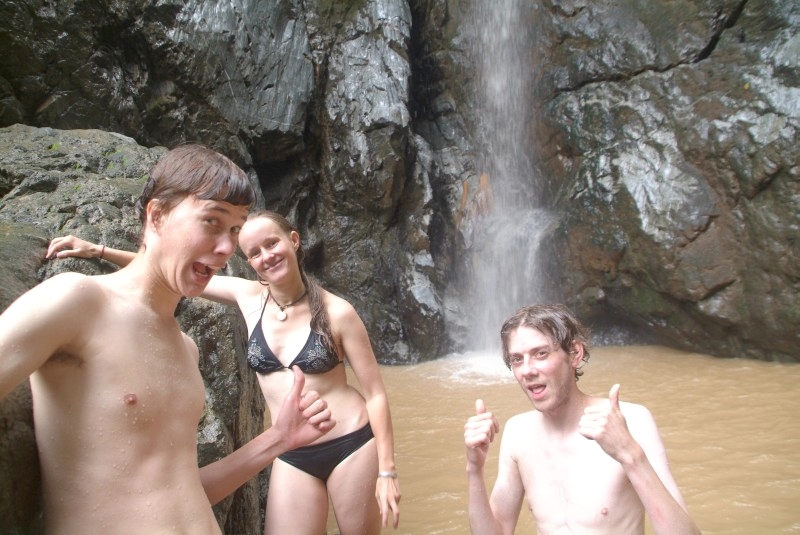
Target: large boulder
{"x":676,"y":151}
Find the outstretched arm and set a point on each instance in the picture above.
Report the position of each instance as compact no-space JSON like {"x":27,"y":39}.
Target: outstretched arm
{"x":222,"y":289}
{"x":645,"y":464}
{"x":302,"y":419}
{"x":67,"y":246}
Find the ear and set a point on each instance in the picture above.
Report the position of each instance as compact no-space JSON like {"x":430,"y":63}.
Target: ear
{"x":295,"y":237}
{"x":155,"y":214}
{"x":576,"y":354}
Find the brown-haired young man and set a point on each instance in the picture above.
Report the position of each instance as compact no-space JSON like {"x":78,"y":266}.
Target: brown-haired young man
{"x":583,"y":464}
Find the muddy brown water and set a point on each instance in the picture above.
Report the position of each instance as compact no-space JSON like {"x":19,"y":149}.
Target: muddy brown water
{"x":731,"y":428}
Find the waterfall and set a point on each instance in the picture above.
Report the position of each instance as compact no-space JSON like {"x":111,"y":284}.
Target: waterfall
{"x":506,"y":224}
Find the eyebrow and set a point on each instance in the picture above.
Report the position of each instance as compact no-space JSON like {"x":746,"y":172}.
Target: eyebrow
{"x":532,"y":349}
{"x":218,"y":206}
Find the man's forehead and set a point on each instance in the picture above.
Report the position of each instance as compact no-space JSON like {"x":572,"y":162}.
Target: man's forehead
{"x":525,"y":337}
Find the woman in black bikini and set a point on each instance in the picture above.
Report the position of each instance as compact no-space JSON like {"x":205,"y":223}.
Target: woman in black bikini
{"x":293,"y":321}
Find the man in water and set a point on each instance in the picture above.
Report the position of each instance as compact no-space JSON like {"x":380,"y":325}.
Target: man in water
{"x":117,"y":393}
{"x":584,"y":464}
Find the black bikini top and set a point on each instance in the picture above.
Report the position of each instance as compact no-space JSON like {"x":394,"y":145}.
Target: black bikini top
{"x":313,"y":358}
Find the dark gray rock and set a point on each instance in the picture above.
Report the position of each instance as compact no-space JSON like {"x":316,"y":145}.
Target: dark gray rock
{"x":690,"y":165}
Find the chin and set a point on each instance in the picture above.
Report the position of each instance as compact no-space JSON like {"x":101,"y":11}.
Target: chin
{"x":194,"y":289}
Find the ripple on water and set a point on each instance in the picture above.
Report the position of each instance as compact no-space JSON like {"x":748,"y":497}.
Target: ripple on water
{"x":472,"y":368}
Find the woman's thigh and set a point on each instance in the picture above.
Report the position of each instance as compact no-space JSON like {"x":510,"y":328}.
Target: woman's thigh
{"x":352,"y":491}
{"x":297,"y":503}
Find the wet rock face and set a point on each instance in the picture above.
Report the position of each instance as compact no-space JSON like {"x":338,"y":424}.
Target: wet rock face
{"x":161,"y":72}
{"x":679,"y":168}
{"x":85,"y":183}
{"x":663,"y":136}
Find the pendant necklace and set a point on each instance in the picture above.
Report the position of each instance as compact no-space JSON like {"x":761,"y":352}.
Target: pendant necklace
{"x":281,"y":315}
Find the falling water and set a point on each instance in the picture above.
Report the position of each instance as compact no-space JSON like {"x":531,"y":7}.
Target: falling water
{"x":504,"y":82}
{"x":507,"y":227}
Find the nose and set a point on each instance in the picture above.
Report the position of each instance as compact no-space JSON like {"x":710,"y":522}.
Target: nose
{"x":226,"y":246}
{"x":529,"y":366}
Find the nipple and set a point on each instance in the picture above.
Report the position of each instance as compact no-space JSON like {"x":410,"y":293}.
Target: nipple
{"x":604,"y":511}
{"x":130,"y":399}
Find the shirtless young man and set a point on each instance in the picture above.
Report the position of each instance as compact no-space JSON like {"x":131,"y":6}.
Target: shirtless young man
{"x":117,"y":392}
{"x":584,"y":464}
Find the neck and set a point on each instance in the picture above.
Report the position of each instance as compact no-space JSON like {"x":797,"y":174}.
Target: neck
{"x":149,"y":289}
{"x":289,"y":295}
{"x":565,"y":417}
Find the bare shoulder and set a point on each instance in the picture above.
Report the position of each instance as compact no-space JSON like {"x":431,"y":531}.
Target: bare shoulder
{"x":524,"y":418}
{"x":54,"y":315}
{"x":520,"y":434}
{"x":73,"y":291}
{"x":70,"y":280}
{"x":523,"y":423}
{"x":56,"y":306}
{"x":239,"y":284}
{"x":634,"y":412}
{"x":338,"y":307}
{"x":642,"y":425}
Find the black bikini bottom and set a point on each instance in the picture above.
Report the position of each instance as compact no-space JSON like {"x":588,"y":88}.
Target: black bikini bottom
{"x":319,"y":460}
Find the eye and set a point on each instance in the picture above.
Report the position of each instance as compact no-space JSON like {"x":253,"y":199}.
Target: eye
{"x":516,"y":360}
{"x":542,"y":354}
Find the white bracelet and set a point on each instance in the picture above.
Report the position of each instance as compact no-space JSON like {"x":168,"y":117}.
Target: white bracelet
{"x":391,"y":474}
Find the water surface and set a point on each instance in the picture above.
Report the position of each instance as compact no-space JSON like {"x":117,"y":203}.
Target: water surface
{"x":731,"y":428}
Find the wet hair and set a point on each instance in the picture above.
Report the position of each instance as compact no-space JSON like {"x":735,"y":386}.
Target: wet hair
{"x":195,"y":170}
{"x":320,"y":321}
{"x":554,"y":321}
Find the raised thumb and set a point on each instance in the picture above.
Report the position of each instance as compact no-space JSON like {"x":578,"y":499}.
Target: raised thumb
{"x":613,"y":396}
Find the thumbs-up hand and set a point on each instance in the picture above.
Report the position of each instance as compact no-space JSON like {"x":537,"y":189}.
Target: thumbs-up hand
{"x":604,"y":423}
{"x":479,"y":432}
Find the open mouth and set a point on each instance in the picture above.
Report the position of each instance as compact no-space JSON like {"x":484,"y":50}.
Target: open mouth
{"x":203,"y":271}
{"x":537,"y":390}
